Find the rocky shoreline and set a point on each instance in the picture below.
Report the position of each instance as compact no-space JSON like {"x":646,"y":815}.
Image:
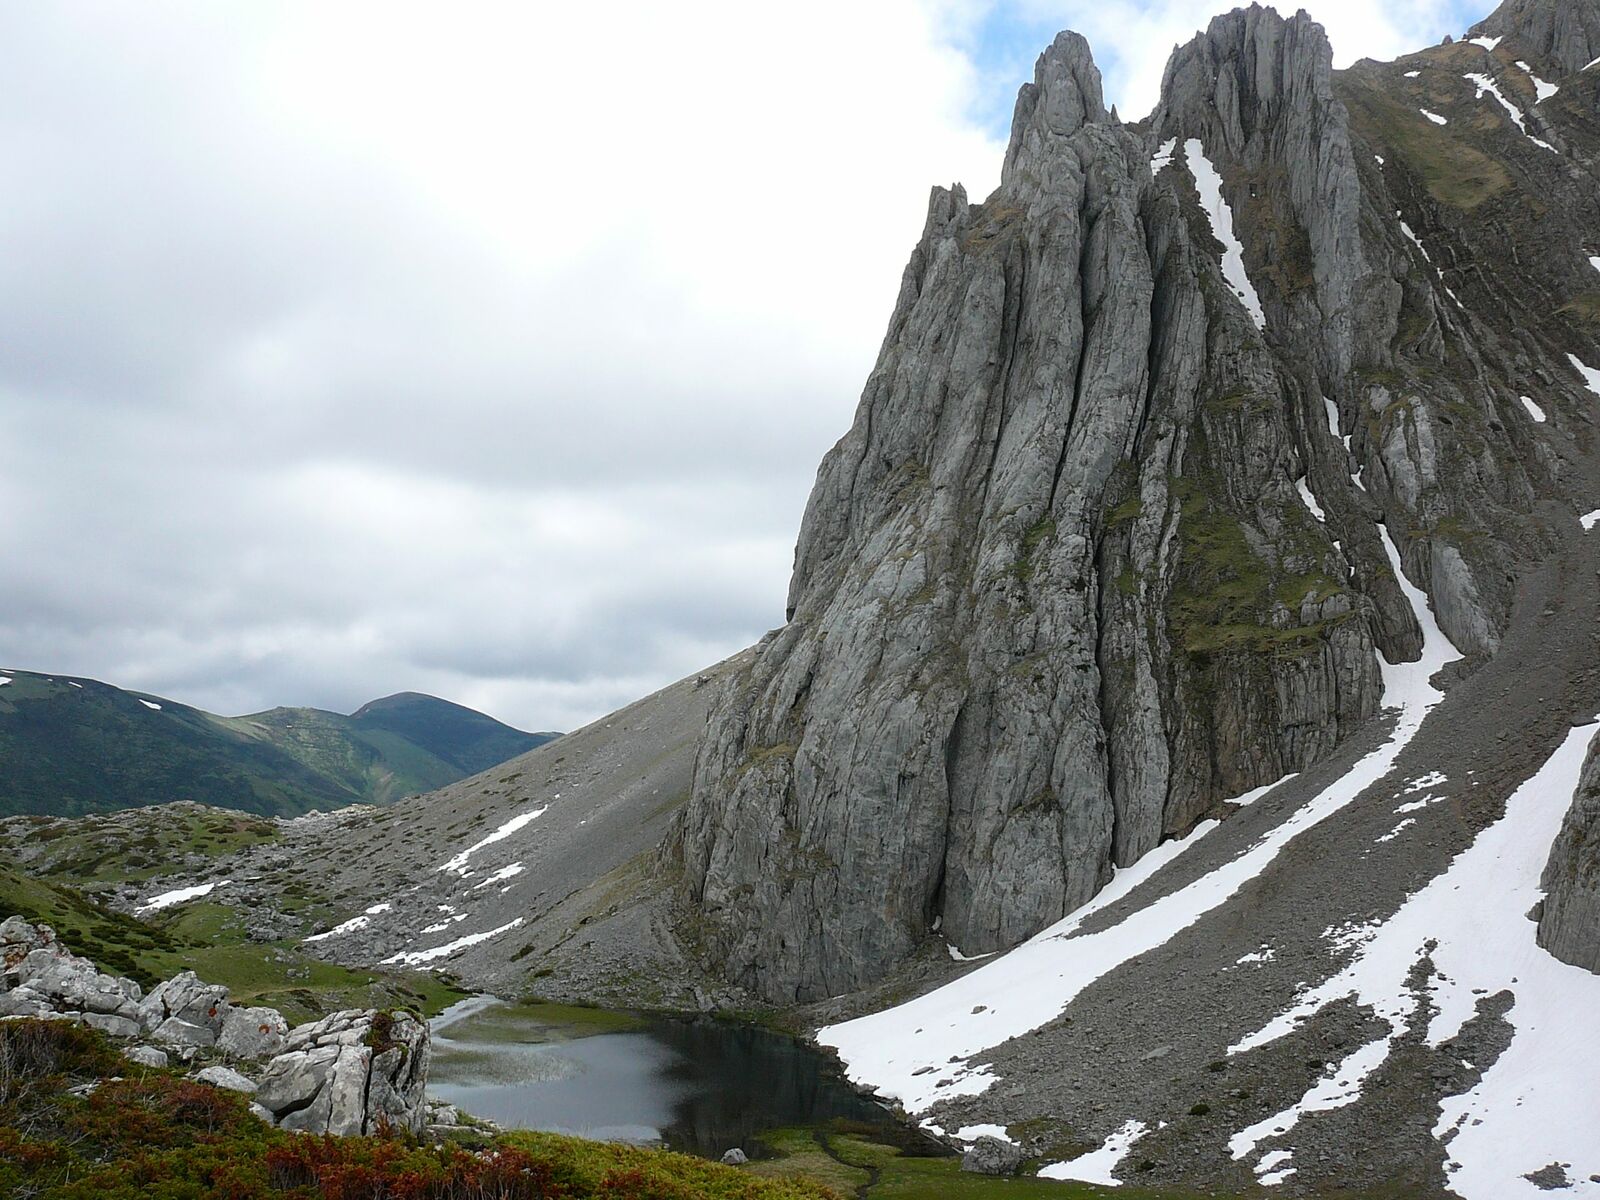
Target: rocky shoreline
{"x":357,"y":1071}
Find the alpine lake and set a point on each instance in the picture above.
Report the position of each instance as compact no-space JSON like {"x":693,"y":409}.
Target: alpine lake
{"x":697,"y":1085}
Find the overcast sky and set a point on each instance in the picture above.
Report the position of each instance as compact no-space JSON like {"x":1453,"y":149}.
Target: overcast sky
{"x":482,"y":350}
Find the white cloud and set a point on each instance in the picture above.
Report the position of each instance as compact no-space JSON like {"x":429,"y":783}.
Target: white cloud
{"x":357,"y":347}
{"x":360,"y":347}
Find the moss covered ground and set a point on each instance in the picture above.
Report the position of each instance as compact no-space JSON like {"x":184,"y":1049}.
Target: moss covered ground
{"x":145,"y":1134}
{"x":857,"y":1162}
{"x":129,"y":847}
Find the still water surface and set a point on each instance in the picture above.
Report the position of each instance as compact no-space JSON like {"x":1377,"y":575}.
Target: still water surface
{"x":696,"y":1084}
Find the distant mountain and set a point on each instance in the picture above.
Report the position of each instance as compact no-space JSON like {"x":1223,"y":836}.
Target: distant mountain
{"x":72,"y":746}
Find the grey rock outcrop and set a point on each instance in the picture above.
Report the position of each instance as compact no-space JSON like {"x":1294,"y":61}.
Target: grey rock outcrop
{"x":225,"y":1077}
{"x":350,"y":1073}
{"x":991,"y":1156}
{"x":1569,"y":923}
{"x":252,"y":1033}
{"x":41,"y":977}
{"x":1102,"y":548}
{"x":146,"y":1056}
{"x":1567,"y":32}
{"x":185,"y":1011}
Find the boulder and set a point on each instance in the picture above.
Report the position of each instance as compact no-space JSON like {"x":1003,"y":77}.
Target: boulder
{"x":735,"y":1157}
{"x":24,"y":1002}
{"x":189,"y":999}
{"x":991,"y":1156}
{"x":294,"y":1079}
{"x":226,"y":1077}
{"x":350,"y":1073}
{"x":175,"y":1031}
{"x":252,"y":1033}
{"x":146,"y":1056}
{"x":111,"y":1024}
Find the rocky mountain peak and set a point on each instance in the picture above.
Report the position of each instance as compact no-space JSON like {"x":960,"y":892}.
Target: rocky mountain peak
{"x":1159,"y":434}
{"x":1564,"y":32}
{"x":1066,"y":94}
{"x":1256,"y":91}
{"x":1238,"y":76}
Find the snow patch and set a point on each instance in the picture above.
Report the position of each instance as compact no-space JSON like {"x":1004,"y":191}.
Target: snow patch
{"x":1588,"y":520}
{"x":180,"y":895}
{"x":379,"y":908}
{"x":1591,"y":377}
{"x":1332,"y":410}
{"x":1595,"y":262}
{"x":1347,"y":935}
{"x":1415,"y":240}
{"x":1340,"y":1085}
{"x":1434,"y":117}
{"x":458,"y":864}
{"x":1209,"y":185}
{"x":1163,"y":156}
{"x":1526,"y":1110}
{"x":1265,"y":954}
{"x":971,"y":1133}
{"x":1097,"y":1166}
{"x":1542,"y":90}
{"x":1488,"y":43}
{"x":4,"y":679}
{"x":149,"y":704}
{"x":1417,"y":805}
{"x":960,"y":957}
{"x":1398,"y":830}
{"x":1534,"y":410}
{"x":350,"y":926}
{"x":1412,"y":74}
{"x":500,"y":876}
{"x":414,"y":957}
{"x":1487,"y":86}
{"x":1309,"y":500}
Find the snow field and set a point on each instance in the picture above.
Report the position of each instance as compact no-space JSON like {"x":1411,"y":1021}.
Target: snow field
{"x":1209,"y":185}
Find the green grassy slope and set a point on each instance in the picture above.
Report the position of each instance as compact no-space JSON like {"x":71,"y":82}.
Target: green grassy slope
{"x":213,"y":941}
{"x":76,"y":746}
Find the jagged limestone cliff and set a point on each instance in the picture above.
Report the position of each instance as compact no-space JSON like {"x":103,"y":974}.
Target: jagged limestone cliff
{"x":1569,"y":924}
{"x":1104,"y":545}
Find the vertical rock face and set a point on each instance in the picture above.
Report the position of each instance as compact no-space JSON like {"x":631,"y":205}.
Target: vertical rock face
{"x":1569,"y":926}
{"x":1565,"y":31}
{"x":1102,"y":547}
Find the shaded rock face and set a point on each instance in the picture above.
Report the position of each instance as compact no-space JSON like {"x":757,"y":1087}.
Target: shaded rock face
{"x":1057,"y":593}
{"x":1569,"y":924}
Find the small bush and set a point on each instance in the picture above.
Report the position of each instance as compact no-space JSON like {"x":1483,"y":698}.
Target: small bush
{"x":32,"y":1051}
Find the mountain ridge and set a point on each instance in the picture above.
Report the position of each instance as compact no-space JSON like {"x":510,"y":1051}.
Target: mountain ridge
{"x":77,"y":745}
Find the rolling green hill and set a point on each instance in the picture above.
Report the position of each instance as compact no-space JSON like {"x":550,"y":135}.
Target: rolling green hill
{"x":73,"y":746}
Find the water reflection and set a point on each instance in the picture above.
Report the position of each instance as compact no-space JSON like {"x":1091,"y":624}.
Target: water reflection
{"x":696,"y":1084}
